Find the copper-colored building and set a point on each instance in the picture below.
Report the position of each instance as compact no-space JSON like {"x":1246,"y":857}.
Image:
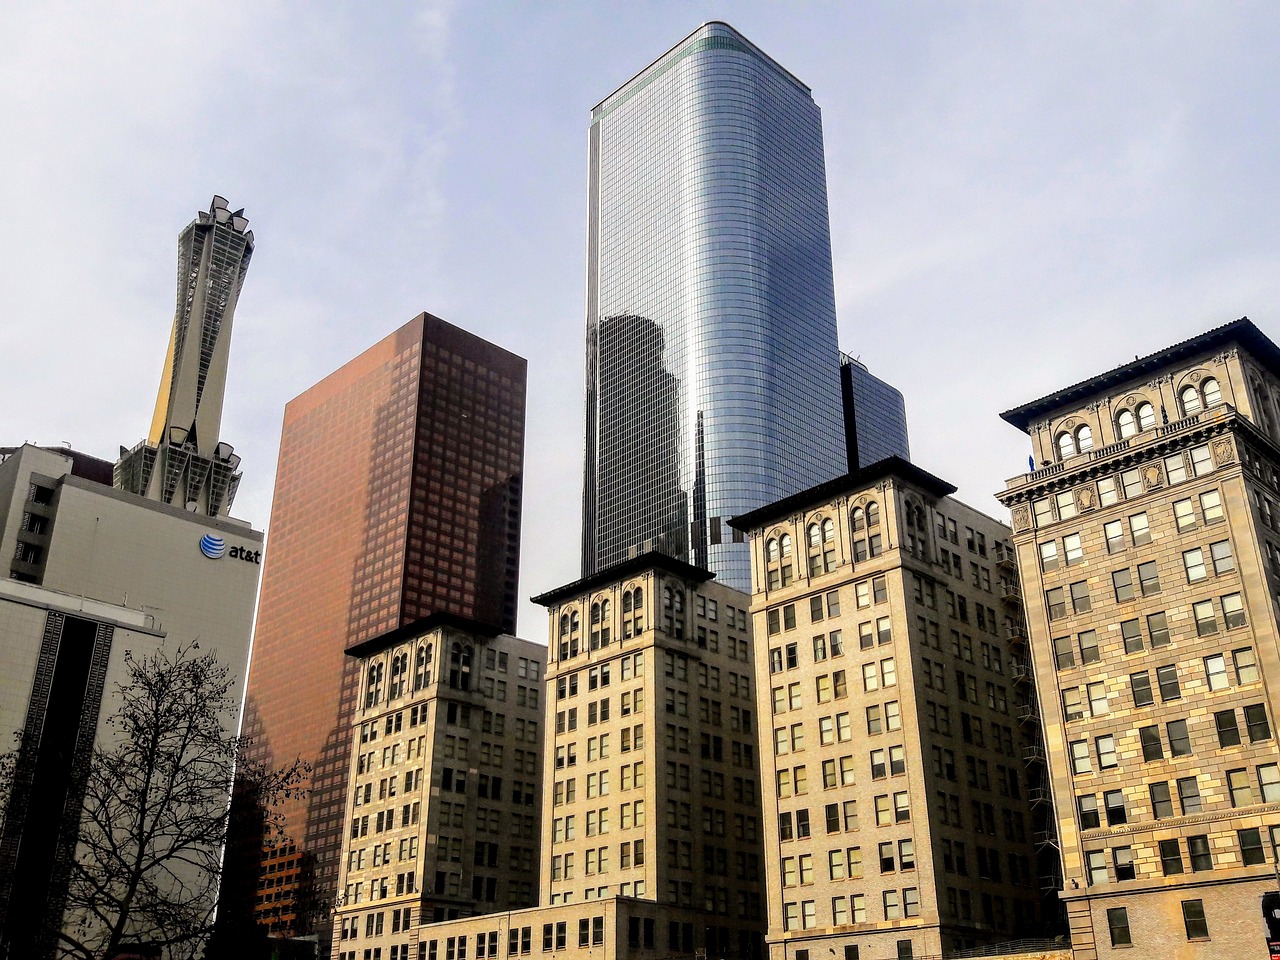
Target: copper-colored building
{"x":397,"y":496}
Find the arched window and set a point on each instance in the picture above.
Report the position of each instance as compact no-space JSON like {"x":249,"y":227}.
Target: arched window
{"x":604,"y":609}
{"x":1084,"y":438}
{"x":873,"y":514}
{"x":595,"y":614}
{"x":858,"y":519}
{"x":1212,"y":392}
{"x":399,"y":675}
{"x":564,"y":625}
{"x":677,"y":601}
{"x":771,"y":551}
{"x":1146,"y":416}
{"x":1066,"y":445}
{"x":786,"y":544}
{"x":626,"y":601}
{"x":421,"y":677}
{"x":573,"y":622}
{"x":828,"y":531}
{"x":639,"y":598}
{"x":815,"y":535}
{"x":632,"y":617}
{"x":1190,"y":401}
{"x":1126,"y":425}
{"x":460,"y":666}
{"x":373,"y":687}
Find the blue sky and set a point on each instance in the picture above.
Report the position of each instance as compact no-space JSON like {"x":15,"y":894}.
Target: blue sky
{"x":1021,"y":196}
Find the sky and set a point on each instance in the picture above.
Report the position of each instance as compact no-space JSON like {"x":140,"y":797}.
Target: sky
{"x":1022,"y":195}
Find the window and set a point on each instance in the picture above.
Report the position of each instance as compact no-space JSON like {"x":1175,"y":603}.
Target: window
{"x":1211,"y":391}
{"x":1157,"y":627}
{"x":1206,"y":620}
{"x":1118,"y":925}
{"x":1049,"y":556}
{"x":1233,"y":611}
{"x":1146,"y":416}
{"x":1152,"y":748}
{"x":1114,"y":533}
{"x":1251,"y":850}
{"x":1084,"y":438}
{"x":1113,"y":800}
{"x":1140,"y":685}
{"x":1139,"y":529}
{"x":1161,"y":801}
{"x":1228,"y":731}
{"x":1122,"y":859}
{"x":1184,"y":515}
{"x":1255,"y":720}
{"x":1179,"y":740}
{"x":1246,"y":665}
{"x":1193,"y":920}
{"x":1223,"y":560}
{"x":1096,"y":867}
{"x":1215,"y":672}
{"x":1098,"y":703}
{"x":1189,"y":795}
{"x":1269,"y":782}
{"x":1149,"y":578}
{"x":1193,"y":561}
{"x":1131,"y":481}
{"x":1087,"y":807}
{"x":1065,"y":656}
{"x":1131,"y":634}
{"x":1211,"y":506}
{"x":1066,"y":445}
{"x":1167,"y":677}
{"x":1080,"y":602}
{"x":1170,"y":857}
{"x":1089,"y":647}
{"x":1198,"y":853}
{"x":1175,"y":467}
{"x":1080,"y":757}
{"x":1072,"y":704}
{"x":1055,"y":601}
{"x":1106,"y":746}
{"x":1122,"y":583}
{"x":1239,"y":787}
{"x":1072,"y":551}
{"x":1108,"y":492}
{"x":1126,"y":424}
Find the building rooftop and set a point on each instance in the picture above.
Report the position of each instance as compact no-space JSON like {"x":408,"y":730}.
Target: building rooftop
{"x":1242,"y":331}
{"x":651,"y":560}
{"x":888,"y":467}
{"x":419,"y":627}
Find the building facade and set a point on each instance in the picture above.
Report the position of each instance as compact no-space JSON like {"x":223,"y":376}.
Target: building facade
{"x":182,"y":461}
{"x":896,"y":793}
{"x":95,"y":572}
{"x":712,"y":364}
{"x":1148,"y":546}
{"x":875,"y":416}
{"x":650,"y":810}
{"x":444,"y":786}
{"x":397,"y":496}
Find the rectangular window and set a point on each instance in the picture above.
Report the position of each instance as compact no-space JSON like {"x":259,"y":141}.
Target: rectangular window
{"x":1184,"y":515}
{"x":1122,"y":860}
{"x":1189,"y":795}
{"x":1211,"y":506}
{"x":1193,"y":562}
{"x":1049,"y":556}
{"x":1228,"y":731}
{"x":1072,"y":704}
{"x":1149,"y":578}
{"x":1114,"y":533}
{"x":1131,"y":633}
{"x":1106,"y":746}
{"x":1179,"y":740}
{"x":1139,"y":529}
{"x":1269,"y":782}
{"x":1223,"y":560}
{"x":1080,"y":602}
{"x":1055,"y":602}
{"x":1113,"y":800}
{"x":1157,"y":627}
{"x":1206,"y":621}
{"x":1140,"y":685}
{"x":1255,"y":721}
{"x":1170,"y":857}
{"x":1198,"y":853}
{"x":1072,"y":551}
{"x":1175,"y":467}
{"x":1122,"y":583}
{"x":1089,"y":647}
{"x":1246,"y":663}
{"x":1152,"y":748}
{"x":1087,"y":807}
{"x":1167,"y":678}
{"x":1131,"y":480}
{"x":1064,"y":654}
{"x":1108,"y":491}
{"x":1233,"y":611}
{"x":1161,"y":801}
{"x":1118,"y":925}
{"x":1251,"y":851}
{"x":1215,"y":672}
{"x":1239,"y":787}
{"x":1080,"y":762}
{"x":1066,"y":503}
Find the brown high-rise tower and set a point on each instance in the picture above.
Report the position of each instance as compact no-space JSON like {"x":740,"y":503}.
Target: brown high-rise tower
{"x":397,"y":496}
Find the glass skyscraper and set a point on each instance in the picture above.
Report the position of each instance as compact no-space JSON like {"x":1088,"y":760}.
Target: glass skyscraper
{"x":713,"y":382}
{"x":875,"y":416}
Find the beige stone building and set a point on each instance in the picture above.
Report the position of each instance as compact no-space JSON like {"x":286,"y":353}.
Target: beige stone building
{"x":895,"y":793}
{"x":651,"y":831}
{"x":445,"y":784}
{"x":1148,"y":543}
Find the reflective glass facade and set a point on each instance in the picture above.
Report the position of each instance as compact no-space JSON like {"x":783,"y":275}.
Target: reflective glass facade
{"x":875,"y":416}
{"x":397,"y":496}
{"x":712,"y":364}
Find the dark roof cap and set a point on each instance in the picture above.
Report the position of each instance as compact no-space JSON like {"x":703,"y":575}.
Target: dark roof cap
{"x":1242,"y":331}
{"x":441,"y":619}
{"x":890,"y":466}
{"x":653,"y":560}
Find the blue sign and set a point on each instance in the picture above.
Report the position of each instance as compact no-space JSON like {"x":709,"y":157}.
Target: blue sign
{"x":213,"y":547}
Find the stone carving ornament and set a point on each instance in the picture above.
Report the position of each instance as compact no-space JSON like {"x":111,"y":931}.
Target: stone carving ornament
{"x":1085,"y":497}
{"x":1021,"y":518}
{"x":1222,"y":452}
{"x":1152,"y":477}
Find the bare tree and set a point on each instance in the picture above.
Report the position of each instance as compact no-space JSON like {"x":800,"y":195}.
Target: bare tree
{"x":156,"y":808}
